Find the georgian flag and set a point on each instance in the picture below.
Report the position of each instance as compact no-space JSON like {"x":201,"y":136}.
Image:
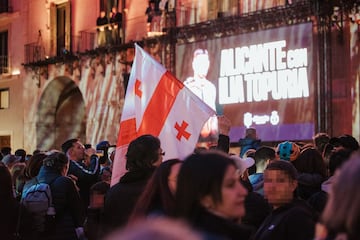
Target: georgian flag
{"x":157,"y":103}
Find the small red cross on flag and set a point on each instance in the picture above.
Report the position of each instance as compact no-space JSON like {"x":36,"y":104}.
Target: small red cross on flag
{"x":182,"y":130}
{"x":138,"y":91}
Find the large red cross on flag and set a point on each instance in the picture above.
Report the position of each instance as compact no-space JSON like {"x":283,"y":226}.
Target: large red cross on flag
{"x":157,"y":103}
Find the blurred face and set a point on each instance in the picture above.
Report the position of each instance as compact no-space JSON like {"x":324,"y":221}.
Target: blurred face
{"x":77,"y":152}
{"x":233,"y":196}
{"x":278,"y":187}
{"x":96,"y":200}
{"x":172,"y":179}
{"x":106,"y":176}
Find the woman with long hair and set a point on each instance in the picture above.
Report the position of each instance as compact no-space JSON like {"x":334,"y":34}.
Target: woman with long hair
{"x":210,"y":197}
{"x":312,"y":172}
{"x":65,"y":197}
{"x":158,"y":196}
{"x":341,"y":216}
{"x":10,"y":210}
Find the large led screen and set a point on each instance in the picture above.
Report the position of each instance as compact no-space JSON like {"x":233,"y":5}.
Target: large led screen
{"x":263,"y":79}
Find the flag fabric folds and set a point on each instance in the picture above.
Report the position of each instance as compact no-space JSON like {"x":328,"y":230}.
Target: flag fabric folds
{"x":159,"y":104}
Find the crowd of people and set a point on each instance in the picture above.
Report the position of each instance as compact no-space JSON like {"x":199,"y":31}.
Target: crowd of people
{"x":292,"y":190}
{"x":109,"y":28}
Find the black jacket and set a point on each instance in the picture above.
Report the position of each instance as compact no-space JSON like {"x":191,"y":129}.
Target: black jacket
{"x":67,"y":203}
{"x":295,"y":221}
{"x":10,"y":210}
{"x":122,"y":197}
{"x":86,"y":177}
{"x":215,"y":227}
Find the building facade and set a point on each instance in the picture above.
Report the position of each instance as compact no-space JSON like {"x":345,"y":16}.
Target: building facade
{"x":58,"y":82}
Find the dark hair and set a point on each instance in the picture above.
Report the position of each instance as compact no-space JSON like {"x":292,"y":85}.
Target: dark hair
{"x":250,"y":132}
{"x":320,"y":140}
{"x":157,"y":193}
{"x":18,"y":178}
{"x":201,"y":174}
{"x":337,"y":158}
{"x":262,"y":154}
{"x":21,"y":153}
{"x":347,"y":141}
{"x":33,"y":165}
{"x":310,"y":161}
{"x":342,"y":211}
{"x":5,"y":150}
{"x":284,"y":166}
{"x":56,"y":160}
{"x":68,"y":144}
{"x":6,"y":189}
{"x":142,"y":152}
{"x":36,"y":151}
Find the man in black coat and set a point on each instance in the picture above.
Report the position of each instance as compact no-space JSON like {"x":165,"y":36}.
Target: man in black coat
{"x":85,"y":176}
{"x":290,"y":218}
{"x":144,"y":154}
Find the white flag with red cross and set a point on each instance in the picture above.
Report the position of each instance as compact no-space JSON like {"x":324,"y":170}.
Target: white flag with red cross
{"x":159,"y":104}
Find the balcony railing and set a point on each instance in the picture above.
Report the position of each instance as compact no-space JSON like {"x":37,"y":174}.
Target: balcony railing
{"x":34,"y":53}
{"x":4,"y":64}
{"x":86,"y":41}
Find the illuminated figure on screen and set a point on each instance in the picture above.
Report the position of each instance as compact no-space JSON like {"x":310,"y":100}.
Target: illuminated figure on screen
{"x":198,"y":83}
{"x":203,"y":88}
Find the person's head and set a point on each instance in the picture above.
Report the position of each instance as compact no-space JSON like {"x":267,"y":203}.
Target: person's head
{"x":33,"y":165}
{"x":244,"y":164}
{"x":159,"y":190}
{"x":280,"y":182}
{"x":5,"y":151}
{"x":320,"y":140}
{"x":17,"y":173}
{"x":73,"y":149}
{"x":201,"y":63}
{"x":21,"y":154}
{"x":36,"y":151}
{"x":152,"y":3}
{"x":310,"y":161}
{"x":251,"y":133}
{"x":144,"y":152}
{"x":263,"y":156}
{"x":287,"y":150}
{"x":337,"y":159}
{"x":114,"y":10}
{"x":102,"y":14}
{"x":57,"y":161}
{"x":345,"y":141}
{"x":9,"y":160}
{"x":105,"y":174}
{"x":342,"y":210}
{"x":209,"y":180}
{"x":97,"y":194}
{"x":6,"y":189}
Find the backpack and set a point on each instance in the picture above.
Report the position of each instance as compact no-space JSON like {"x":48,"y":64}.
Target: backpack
{"x":37,"y":200}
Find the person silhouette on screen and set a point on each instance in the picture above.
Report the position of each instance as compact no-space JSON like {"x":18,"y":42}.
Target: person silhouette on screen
{"x":198,"y":83}
{"x":203,"y":88}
